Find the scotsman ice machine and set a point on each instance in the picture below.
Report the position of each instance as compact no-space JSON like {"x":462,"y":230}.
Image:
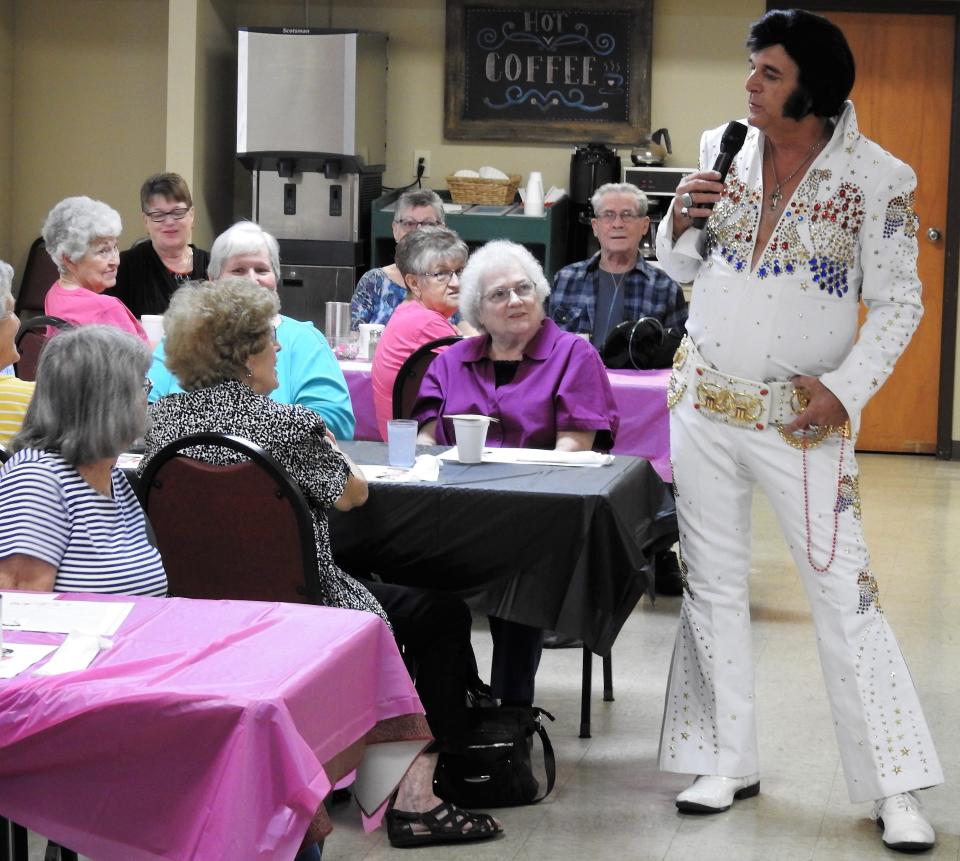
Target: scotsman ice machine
{"x":311,"y":127}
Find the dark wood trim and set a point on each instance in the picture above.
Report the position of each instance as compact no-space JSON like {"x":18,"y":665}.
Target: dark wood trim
{"x":946,"y":446}
{"x":954,"y":451}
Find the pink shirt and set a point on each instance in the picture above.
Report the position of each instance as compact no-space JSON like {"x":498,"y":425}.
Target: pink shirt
{"x":410,"y":326}
{"x":83,"y":307}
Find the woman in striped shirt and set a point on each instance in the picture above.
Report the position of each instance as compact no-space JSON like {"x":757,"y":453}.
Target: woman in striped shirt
{"x":71,"y":521}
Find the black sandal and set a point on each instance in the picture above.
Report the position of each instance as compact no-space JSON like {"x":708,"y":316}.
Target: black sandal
{"x":446,"y":823}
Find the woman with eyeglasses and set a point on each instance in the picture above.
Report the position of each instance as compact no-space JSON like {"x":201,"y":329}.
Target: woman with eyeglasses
{"x":81,"y":238}
{"x":154,"y":268}
{"x":71,"y":521}
{"x":430,"y":261}
{"x":547,"y":389}
{"x":380,"y":291}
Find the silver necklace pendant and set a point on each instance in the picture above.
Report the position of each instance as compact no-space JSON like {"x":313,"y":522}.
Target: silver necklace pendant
{"x":775,"y":199}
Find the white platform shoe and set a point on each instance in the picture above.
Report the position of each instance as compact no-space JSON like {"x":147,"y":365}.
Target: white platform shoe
{"x":712,"y":794}
{"x":905,"y":828}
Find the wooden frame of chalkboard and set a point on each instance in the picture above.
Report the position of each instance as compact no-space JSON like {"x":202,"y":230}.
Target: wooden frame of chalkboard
{"x":548,"y":70}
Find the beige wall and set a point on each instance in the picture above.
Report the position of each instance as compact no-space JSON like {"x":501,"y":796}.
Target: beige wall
{"x":88,"y":107}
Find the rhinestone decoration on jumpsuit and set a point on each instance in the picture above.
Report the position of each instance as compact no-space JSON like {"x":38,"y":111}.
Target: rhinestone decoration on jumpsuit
{"x":848,"y":232}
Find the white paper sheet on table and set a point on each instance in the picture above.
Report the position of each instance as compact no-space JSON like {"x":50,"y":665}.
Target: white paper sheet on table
{"x":76,"y":652}
{"x":22,"y":656}
{"x":537,"y":455}
{"x":64,"y":617}
{"x":425,"y":468}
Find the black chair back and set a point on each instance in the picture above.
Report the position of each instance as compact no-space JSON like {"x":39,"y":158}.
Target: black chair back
{"x":4,"y":455}
{"x":406,"y":387}
{"x":38,"y":276}
{"x":31,"y":340}
{"x":242,"y":531}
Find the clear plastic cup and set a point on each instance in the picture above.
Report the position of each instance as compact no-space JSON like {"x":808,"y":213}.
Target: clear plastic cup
{"x":401,"y":442}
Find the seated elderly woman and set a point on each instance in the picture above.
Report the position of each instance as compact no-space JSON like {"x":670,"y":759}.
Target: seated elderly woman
{"x":81,"y":238}
{"x":307,"y":371}
{"x":71,"y":521}
{"x":220,"y":344}
{"x":14,"y":394}
{"x":430,"y":261}
{"x":380,"y":291}
{"x":150,"y":271}
{"x":547,"y":389}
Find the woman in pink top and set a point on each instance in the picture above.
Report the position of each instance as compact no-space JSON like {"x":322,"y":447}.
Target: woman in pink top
{"x":430,"y":261}
{"x":81,"y":238}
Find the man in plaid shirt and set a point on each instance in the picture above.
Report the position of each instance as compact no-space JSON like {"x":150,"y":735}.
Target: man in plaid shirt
{"x":616,"y":284}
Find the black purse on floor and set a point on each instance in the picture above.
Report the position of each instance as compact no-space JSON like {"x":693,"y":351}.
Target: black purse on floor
{"x":491,"y":766}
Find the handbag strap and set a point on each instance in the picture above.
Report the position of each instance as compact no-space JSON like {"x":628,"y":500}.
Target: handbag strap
{"x":549,"y":760}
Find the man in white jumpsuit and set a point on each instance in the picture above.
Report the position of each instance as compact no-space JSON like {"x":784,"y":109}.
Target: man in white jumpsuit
{"x":768,"y":389}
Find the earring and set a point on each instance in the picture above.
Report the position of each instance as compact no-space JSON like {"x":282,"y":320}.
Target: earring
{"x":249,"y":373}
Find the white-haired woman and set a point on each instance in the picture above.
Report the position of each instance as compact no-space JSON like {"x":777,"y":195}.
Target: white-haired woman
{"x":71,"y":521}
{"x":14,"y":394}
{"x":430,"y":261}
{"x":220,"y":344}
{"x":379,"y":292}
{"x":81,"y":238}
{"x":307,"y":371}
{"x":547,"y":388}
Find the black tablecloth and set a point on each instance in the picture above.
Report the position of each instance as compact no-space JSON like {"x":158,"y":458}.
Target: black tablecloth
{"x":562,"y":548}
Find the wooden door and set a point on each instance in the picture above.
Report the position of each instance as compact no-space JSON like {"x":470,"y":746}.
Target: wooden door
{"x":903,"y":97}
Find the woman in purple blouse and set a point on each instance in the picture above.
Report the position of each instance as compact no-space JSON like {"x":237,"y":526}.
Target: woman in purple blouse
{"x":547,"y":388}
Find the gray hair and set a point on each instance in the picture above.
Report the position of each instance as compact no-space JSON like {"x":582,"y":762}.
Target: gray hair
{"x":6,"y":284}
{"x":494,"y":256}
{"x":88,"y":404}
{"x":210,"y":330}
{"x":72,"y":226}
{"x":244,"y":237}
{"x":640,"y":199}
{"x":421,"y":197}
{"x":421,"y":251}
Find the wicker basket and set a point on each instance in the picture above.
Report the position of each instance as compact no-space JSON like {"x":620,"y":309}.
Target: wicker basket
{"x":468,"y":189}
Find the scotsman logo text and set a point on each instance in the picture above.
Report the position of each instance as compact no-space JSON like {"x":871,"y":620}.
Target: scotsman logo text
{"x":295,"y":30}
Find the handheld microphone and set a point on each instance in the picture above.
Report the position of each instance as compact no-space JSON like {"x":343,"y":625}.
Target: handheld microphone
{"x":730,"y":144}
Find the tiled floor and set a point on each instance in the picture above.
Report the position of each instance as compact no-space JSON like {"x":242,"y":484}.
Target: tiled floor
{"x":612,"y":803}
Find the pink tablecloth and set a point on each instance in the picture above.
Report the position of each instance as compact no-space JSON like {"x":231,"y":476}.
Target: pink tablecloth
{"x":203,"y":733}
{"x":641,"y":397}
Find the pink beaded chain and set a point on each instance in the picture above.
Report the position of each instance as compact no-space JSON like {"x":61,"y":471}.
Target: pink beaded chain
{"x":836,"y":508}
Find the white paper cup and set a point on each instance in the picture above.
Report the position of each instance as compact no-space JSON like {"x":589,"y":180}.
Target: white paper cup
{"x":401,"y":442}
{"x":471,"y":434}
{"x":153,"y":326}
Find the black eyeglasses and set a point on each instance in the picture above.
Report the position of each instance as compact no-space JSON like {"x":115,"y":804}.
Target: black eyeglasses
{"x":444,"y":277}
{"x":147,"y":386}
{"x":158,"y":216}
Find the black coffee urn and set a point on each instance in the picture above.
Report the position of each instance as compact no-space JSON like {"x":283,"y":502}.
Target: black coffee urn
{"x":590,"y":167}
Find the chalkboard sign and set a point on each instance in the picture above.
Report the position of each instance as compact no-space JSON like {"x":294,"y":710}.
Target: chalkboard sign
{"x":548,"y":71}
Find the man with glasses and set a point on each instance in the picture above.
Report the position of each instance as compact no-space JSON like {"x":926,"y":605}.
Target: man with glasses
{"x":616,"y":284}
{"x":380,"y":291}
{"x":151,"y":270}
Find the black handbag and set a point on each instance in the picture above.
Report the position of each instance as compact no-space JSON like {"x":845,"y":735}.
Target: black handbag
{"x":491,"y":764}
{"x":641,"y":345}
